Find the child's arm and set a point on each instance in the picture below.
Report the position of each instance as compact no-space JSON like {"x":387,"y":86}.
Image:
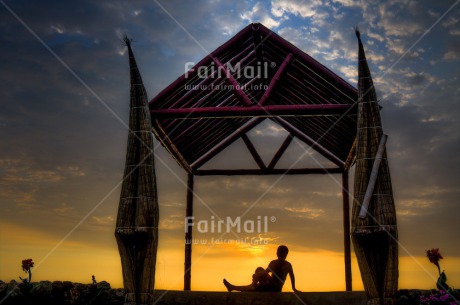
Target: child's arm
{"x":291,"y":275}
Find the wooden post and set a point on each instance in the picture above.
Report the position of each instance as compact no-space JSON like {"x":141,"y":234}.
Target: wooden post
{"x":188,"y":235}
{"x":346,"y":231}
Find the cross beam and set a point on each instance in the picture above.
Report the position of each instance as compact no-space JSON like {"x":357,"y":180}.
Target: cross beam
{"x":293,"y":171}
{"x":251,"y":111}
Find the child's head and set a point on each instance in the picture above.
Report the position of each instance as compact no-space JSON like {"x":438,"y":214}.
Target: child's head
{"x":282,"y":252}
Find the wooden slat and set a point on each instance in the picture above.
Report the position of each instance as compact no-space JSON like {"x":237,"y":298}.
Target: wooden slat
{"x":225,"y":143}
{"x":276,"y":78}
{"x":162,"y":136}
{"x":313,"y":144}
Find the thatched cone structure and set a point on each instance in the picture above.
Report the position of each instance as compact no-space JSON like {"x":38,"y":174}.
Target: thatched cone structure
{"x":374,"y":232}
{"x":137,"y":220}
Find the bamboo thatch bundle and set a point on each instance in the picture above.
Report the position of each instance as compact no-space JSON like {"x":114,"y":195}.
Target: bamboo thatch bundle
{"x":137,"y":221}
{"x":374,"y":235}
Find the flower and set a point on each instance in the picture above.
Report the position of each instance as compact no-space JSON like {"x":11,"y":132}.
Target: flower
{"x":440,"y":297}
{"x":27,"y":264}
{"x":434,"y":256}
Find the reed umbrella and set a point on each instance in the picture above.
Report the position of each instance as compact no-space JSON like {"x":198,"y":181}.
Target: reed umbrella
{"x":374,"y":230}
{"x":137,"y":221}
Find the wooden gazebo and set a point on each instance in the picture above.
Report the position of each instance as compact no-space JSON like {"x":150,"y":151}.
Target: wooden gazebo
{"x":256,"y":75}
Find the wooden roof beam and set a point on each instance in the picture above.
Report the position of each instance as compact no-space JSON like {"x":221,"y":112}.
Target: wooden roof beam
{"x":258,"y":40}
{"x":313,"y":144}
{"x":259,"y":50}
{"x":253,"y":151}
{"x":242,"y":97}
{"x":292,"y":171}
{"x":163,"y":137}
{"x":251,"y":111}
{"x":275,"y":79}
{"x":281,"y":151}
{"x":225,"y":143}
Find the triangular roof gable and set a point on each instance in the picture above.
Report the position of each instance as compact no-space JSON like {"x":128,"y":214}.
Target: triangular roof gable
{"x":275,"y":79}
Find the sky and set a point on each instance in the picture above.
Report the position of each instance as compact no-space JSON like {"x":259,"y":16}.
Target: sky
{"x":64,"y":96}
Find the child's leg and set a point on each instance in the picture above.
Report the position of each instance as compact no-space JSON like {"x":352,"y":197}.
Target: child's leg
{"x":231,"y":287}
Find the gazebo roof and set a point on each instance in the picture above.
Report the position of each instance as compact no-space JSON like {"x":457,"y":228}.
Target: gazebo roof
{"x":254,"y":76}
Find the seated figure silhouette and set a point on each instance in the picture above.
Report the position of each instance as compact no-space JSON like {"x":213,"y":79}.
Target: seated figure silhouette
{"x":270,"y":279}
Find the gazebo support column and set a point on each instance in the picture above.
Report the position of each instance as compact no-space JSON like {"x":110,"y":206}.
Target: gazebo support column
{"x":346,"y":231}
{"x":188,"y":235}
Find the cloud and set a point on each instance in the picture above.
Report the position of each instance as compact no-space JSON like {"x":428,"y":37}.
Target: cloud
{"x":451,"y":55}
{"x":25,"y":236}
{"x":305,"y":212}
{"x":304,"y":9}
{"x":376,"y":36}
{"x":450,"y":22}
{"x":104,"y":221}
{"x":58,"y":29}
{"x":268,"y":129}
{"x":16,"y":171}
{"x":397,"y":46}
{"x":417,"y":79}
{"x":350,"y":72}
{"x":63,"y":208}
{"x":172,"y":222}
{"x":259,"y":13}
{"x":72,"y":170}
{"x":326,"y":47}
{"x":348,"y":2}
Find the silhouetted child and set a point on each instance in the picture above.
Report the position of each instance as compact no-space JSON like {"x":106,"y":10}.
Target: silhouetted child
{"x":263,"y":281}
